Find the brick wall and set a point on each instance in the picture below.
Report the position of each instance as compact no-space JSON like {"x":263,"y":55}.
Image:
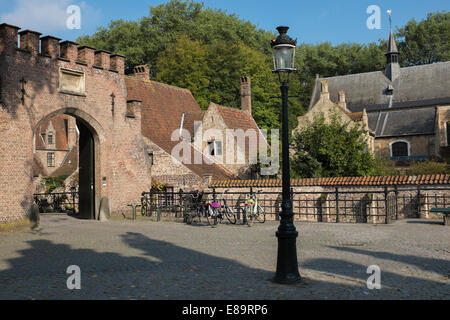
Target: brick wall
{"x":119,"y":151}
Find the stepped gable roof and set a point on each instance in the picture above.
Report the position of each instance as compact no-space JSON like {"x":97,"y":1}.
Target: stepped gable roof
{"x":61,"y":143}
{"x":162,"y":109}
{"x":424,"y":85}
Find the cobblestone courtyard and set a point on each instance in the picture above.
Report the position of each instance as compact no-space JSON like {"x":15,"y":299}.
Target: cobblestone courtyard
{"x":169,"y":260}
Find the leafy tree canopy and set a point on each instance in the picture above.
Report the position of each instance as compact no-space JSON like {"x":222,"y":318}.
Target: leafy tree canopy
{"x":330,"y":149}
{"x":206,"y":51}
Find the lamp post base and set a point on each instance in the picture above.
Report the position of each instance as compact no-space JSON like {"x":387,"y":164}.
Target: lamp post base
{"x":287,"y":264}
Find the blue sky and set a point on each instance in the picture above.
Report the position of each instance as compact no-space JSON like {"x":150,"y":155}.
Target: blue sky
{"x":336,"y":21}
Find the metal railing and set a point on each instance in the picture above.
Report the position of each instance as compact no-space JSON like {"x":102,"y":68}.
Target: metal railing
{"x":359,"y":206}
{"x":63,"y":202}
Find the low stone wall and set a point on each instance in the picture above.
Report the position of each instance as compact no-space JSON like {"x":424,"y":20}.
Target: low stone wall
{"x":356,"y":204}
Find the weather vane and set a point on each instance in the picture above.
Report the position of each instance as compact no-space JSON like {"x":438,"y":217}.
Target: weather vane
{"x":389,"y":12}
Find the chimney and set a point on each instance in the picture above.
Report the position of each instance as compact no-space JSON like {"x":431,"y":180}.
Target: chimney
{"x":29,"y":40}
{"x":50,"y":46}
{"x":134,"y":109}
{"x":246,"y":95}
{"x":324,"y":94}
{"x":342,"y":102}
{"x":142,"y":72}
{"x":8,"y":38}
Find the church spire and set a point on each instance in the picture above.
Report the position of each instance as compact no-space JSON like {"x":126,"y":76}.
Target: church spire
{"x":393,"y":67}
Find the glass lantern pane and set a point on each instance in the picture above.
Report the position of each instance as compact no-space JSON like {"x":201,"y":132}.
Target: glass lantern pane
{"x":284,"y":57}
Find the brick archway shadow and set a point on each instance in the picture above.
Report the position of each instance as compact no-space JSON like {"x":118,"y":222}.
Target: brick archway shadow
{"x":99,"y":138}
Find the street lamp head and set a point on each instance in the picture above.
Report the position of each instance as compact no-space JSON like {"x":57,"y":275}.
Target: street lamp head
{"x":283,"y":48}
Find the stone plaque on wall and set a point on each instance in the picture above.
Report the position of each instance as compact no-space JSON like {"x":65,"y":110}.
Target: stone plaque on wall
{"x":71,"y":81}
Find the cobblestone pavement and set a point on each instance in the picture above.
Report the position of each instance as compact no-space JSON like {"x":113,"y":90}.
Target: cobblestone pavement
{"x":170,"y":260}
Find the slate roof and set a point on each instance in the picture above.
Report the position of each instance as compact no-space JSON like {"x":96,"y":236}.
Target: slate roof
{"x":162,"y":109}
{"x":337,"y":181}
{"x":415,"y":88}
{"x":418,"y":121}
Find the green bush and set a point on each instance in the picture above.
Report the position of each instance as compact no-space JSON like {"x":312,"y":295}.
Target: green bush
{"x":427,"y":167}
{"x":52,"y":183}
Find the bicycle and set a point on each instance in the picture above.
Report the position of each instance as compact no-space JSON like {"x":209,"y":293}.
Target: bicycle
{"x":253,"y":210}
{"x":228,"y":211}
{"x":193,"y":207}
{"x":213,"y":214}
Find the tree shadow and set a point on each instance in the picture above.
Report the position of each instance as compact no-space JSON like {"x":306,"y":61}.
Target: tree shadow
{"x":439,"y":266}
{"x":146,"y":268}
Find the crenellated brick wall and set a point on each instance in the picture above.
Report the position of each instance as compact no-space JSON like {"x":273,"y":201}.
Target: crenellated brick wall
{"x":31,"y":82}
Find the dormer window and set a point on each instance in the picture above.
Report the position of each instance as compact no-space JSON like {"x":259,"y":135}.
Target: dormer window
{"x":50,"y":139}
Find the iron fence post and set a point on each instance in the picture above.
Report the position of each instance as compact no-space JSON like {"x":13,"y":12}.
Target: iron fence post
{"x":337,"y":204}
{"x":418,"y":202}
{"x":386,"y":209}
{"x":396,"y":202}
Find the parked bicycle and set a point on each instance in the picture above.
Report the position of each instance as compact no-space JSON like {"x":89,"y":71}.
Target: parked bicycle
{"x":252,"y":210}
{"x":213,"y":214}
{"x":226,"y":210}
{"x":193,"y":207}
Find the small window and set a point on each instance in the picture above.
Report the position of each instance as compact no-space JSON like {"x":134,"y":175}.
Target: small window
{"x":50,"y":159}
{"x":215,"y":148}
{"x":150,"y":156}
{"x":50,"y":139}
{"x":211,"y":148}
{"x":400,"y":149}
{"x":218,"y":148}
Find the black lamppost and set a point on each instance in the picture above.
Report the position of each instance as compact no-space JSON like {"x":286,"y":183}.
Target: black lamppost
{"x":287,"y":266}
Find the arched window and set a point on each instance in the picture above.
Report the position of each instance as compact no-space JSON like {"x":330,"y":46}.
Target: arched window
{"x":400,"y":149}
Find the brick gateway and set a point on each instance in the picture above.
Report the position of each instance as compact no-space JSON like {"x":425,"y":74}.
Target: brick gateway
{"x":44,"y":77}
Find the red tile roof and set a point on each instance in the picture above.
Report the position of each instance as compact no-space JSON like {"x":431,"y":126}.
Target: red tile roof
{"x":69,"y":165}
{"x":60,"y":132}
{"x":162,"y":109}
{"x":236,"y":118}
{"x":337,"y":181}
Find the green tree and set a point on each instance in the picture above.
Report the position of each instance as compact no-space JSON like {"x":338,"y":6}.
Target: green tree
{"x":427,"y":41}
{"x":330,"y":149}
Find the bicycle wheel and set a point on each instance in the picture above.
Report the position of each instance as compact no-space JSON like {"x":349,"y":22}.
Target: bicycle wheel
{"x":231,"y":216}
{"x":261,"y":215}
{"x":250,"y":219}
{"x":212,"y":216}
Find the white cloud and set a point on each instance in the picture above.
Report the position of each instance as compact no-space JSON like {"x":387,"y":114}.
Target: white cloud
{"x":45,"y":16}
